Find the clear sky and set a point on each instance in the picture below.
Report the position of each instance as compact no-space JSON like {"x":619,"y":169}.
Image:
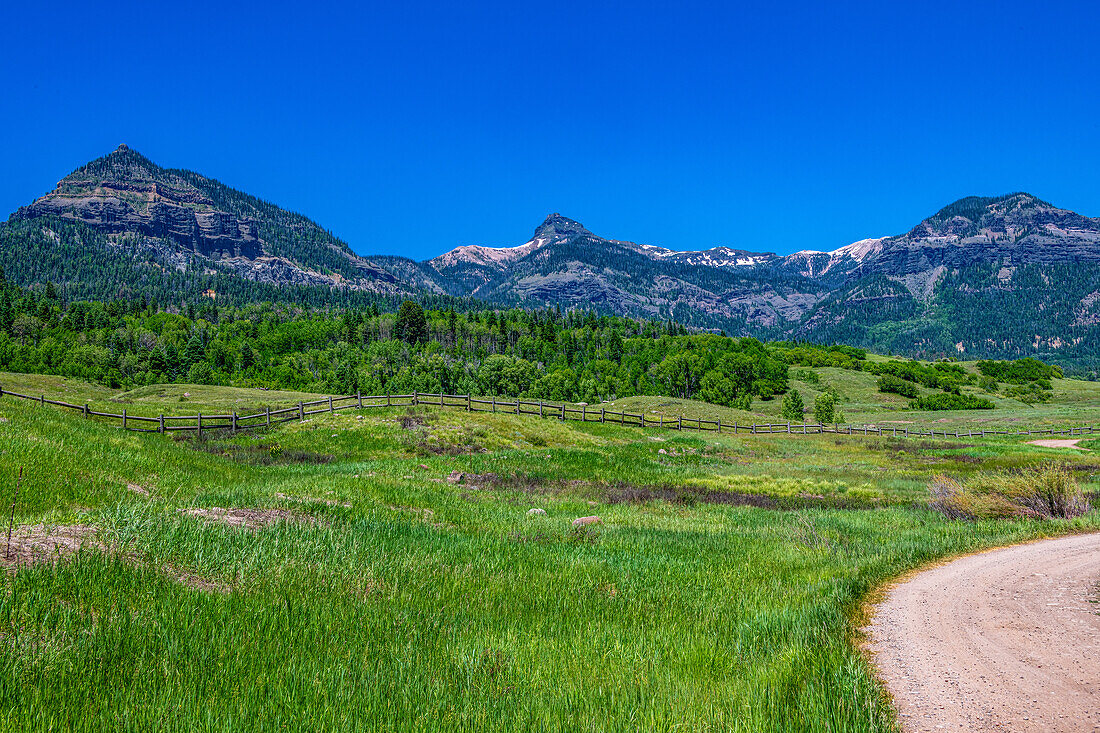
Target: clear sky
{"x":410,"y":128}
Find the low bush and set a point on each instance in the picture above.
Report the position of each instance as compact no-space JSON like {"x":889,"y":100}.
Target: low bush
{"x":806,"y":375}
{"x":1043,"y":492}
{"x":897,"y":385}
{"x":1029,"y":393}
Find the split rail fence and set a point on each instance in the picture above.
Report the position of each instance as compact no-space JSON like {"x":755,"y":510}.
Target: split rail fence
{"x":233,"y":422}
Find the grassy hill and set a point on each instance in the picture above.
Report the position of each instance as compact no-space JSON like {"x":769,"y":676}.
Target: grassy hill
{"x":331,"y":574}
{"x":1073,"y":402}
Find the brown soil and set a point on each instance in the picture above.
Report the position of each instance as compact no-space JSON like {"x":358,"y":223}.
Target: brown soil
{"x":627,"y":493}
{"x":1007,"y":640}
{"x":1058,"y":443}
{"x":247,"y":518}
{"x":39,"y":543}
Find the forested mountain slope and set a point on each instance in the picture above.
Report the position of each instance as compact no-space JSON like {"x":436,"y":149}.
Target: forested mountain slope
{"x":1007,"y":276}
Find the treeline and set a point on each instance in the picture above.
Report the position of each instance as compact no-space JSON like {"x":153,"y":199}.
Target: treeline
{"x":543,"y":354}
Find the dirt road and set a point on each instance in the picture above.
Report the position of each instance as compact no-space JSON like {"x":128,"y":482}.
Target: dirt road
{"x":1008,"y":640}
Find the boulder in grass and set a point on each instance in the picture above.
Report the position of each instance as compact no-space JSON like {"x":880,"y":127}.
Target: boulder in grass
{"x":456,"y":477}
{"x":536,"y":512}
{"x":586,"y":521}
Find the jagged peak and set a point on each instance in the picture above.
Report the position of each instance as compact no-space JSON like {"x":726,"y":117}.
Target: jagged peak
{"x":557,"y":225}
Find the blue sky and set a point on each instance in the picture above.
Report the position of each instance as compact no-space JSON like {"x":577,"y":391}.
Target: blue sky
{"x":411,"y":128}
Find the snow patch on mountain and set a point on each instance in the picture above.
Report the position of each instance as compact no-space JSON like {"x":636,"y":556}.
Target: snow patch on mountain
{"x":488,"y":256}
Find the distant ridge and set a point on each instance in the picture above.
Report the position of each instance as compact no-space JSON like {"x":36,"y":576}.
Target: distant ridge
{"x":985,"y":275}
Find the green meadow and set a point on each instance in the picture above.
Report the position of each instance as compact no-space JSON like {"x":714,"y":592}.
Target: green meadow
{"x":382,"y":570}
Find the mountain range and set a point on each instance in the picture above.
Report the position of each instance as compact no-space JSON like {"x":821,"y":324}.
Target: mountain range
{"x":985,"y":276}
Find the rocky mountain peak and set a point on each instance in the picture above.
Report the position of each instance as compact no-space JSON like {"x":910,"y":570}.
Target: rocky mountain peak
{"x":558,"y":226}
{"x":123,"y":166}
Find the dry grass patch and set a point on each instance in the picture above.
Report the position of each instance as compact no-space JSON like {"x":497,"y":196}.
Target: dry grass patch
{"x":196,"y":581}
{"x":1047,"y":491}
{"x":312,"y":500}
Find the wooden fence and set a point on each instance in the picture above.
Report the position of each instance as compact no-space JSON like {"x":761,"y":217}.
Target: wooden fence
{"x":233,"y":421}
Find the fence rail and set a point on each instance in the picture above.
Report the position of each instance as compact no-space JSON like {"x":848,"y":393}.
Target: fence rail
{"x":580,"y":413}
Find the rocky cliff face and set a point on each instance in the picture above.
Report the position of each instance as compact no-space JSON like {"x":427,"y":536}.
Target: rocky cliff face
{"x":565,"y":264}
{"x":186,"y":219}
{"x":125,"y":195}
{"x":941,"y":287}
{"x":1018,"y":229}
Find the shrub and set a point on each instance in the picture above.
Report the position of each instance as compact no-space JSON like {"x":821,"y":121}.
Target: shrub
{"x":807,"y":376}
{"x":897,"y":385}
{"x":1042,"y":492}
{"x":1020,"y":371}
{"x":793,"y":406}
{"x":1029,"y":393}
{"x":950,"y":401}
{"x":825,"y":409}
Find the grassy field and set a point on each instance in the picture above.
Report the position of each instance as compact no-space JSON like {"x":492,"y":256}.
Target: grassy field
{"x":329,"y":576}
{"x":1074,"y":402}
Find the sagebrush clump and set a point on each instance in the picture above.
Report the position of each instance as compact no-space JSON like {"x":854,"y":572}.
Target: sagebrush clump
{"x":1047,"y":491}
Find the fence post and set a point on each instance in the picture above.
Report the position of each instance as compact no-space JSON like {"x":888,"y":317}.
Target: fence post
{"x":124,"y":419}
{"x":233,"y":429}
{"x":301,"y":411}
{"x":416,"y":399}
{"x":494,"y":403}
{"x":584,"y":413}
{"x":603,"y":413}
{"x":540,"y":409}
{"x":469,"y":404}
{"x":42,"y":400}
{"x":200,"y":424}
{"x":563,"y":412}
{"x":788,"y":427}
{"x":680,"y":422}
{"x":161,"y":425}
{"x":330,"y":404}
{"x":269,"y":416}
{"x":85,"y":409}
{"x":388,"y":401}
{"x":359,"y":397}
{"x":719,"y":424}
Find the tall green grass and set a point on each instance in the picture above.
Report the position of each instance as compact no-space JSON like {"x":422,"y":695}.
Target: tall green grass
{"x":475,"y":617}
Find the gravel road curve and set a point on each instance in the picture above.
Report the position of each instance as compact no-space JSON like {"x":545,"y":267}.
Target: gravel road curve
{"x":1007,"y":640}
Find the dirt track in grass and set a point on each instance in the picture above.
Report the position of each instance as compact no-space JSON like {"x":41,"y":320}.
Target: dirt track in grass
{"x":1058,"y":443}
{"x":1006,"y":640}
